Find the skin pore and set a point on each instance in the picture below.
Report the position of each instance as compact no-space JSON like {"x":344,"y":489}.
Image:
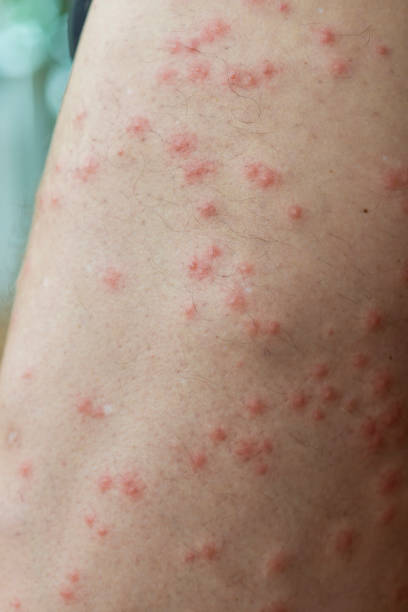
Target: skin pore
{"x":203,"y":397}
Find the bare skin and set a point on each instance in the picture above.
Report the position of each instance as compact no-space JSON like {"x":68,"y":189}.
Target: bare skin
{"x":204,"y":395}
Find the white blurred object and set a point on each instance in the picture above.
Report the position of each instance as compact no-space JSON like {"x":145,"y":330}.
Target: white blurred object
{"x":56,"y":83}
{"x":23,"y":49}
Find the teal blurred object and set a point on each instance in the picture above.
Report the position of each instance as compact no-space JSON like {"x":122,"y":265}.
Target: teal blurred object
{"x":34,"y":69}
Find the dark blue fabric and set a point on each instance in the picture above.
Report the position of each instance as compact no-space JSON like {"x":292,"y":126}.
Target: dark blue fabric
{"x":77,"y":15}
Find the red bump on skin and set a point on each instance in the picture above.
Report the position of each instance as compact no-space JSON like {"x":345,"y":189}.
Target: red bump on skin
{"x":268,"y":70}
{"x":256,"y":407}
{"x":113,"y":279}
{"x":267,"y":446}
{"x":190,"y":556}
{"x":344,"y":541}
{"x":198,"y":461}
{"x":218,"y":434}
{"x":383,"y":50}
{"x":195,"y":171}
{"x":352,"y":405}
{"x":67,"y":594}
{"x":182,"y":144}
{"x":372,"y":436}
{"x":15,"y":603}
{"x":103,"y":531}
{"x":390,"y":481}
{"x":252,"y":327}
{"x":340,"y":68}
{"x":138,"y":126}
{"x":278,"y":564}
{"x":374,"y":320}
{"x":261,"y":469}
{"x":105,"y":483}
{"x":26,"y":469}
{"x":387,"y":516}
{"x":89,"y":169}
{"x":237,"y":301}
{"x":382,"y":383}
{"x":321,"y":370}
{"x":208,"y":210}
{"x":246,"y":269}
{"x":298,"y":401}
{"x":404,"y":207}
{"x":90,"y":519}
{"x":327,"y":36}
{"x":209,"y":552}
{"x":392,"y":414}
{"x":246,"y":449}
{"x":27,"y":375}
{"x":272,"y":328}
{"x":318,"y":415}
{"x":217,"y":28}
{"x":199,"y":72}
{"x":329,"y":393}
{"x":132,"y":486}
{"x":241,"y":79}
{"x":261,"y":175}
{"x":74,"y":576}
{"x":295,"y":212}
{"x":174,"y":46}
{"x":396,"y":179}
{"x":360,"y":360}
{"x":191,"y":311}
{"x":200,"y":268}
{"x":284,"y":7}
{"x":214,"y":251}
{"x":86,"y":407}
{"x":166,"y":75}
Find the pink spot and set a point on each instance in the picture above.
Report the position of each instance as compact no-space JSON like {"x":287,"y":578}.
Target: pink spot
{"x":182,"y":144}
{"x":370,"y":433}
{"x":404,"y":207}
{"x":198,"y":461}
{"x":396,"y":179}
{"x":392,"y":414}
{"x":209,"y":552}
{"x":320,"y":371}
{"x":295,"y":212}
{"x":344,"y":542}
{"x":360,"y":360}
{"x":390,"y":481}
{"x":256,"y":407}
{"x":67,"y":594}
{"x":272,"y":328}
{"x":218,"y":434}
{"x":15,"y":603}
{"x":197,"y":170}
{"x":284,"y":7}
{"x":261,"y":469}
{"x":167,"y":75}
{"x":213,"y":30}
{"x":214,"y":251}
{"x":327,"y":36}
{"x":74,"y":576}
{"x":382,"y":383}
{"x":190,"y":556}
{"x":387,"y":517}
{"x":246,"y":449}
{"x":138,"y":126}
{"x":208,"y":210}
{"x":200,"y":268}
{"x":340,"y":68}
{"x":26,"y":469}
{"x":105,"y":483}
{"x":199,"y":72}
{"x":383,"y":50}
{"x":253,"y":328}
{"x":246,"y":269}
{"x":318,"y":415}
{"x":268,"y":70}
{"x":174,"y":46}
{"x":236,"y":300}
{"x":298,"y":401}
{"x":113,"y":279}
{"x":132,"y":486}
{"x":191,"y":311}
{"x":27,"y":375}
{"x":103,"y":531}
{"x":83,"y":173}
{"x":278,"y":564}
{"x":374,"y":320}
{"x":121,"y":153}
{"x":267,"y":446}
{"x":87,"y":408}
{"x":241,"y":79}
{"x":261,"y":175}
{"x":329,"y":393}
{"x":352,"y":405}
{"x":90,"y":519}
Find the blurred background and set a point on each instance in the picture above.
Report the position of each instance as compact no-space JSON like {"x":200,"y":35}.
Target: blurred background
{"x":34,"y":70}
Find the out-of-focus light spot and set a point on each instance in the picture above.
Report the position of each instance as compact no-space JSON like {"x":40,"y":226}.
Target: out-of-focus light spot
{"x":55,"y":86}
{"x":23,"y":49}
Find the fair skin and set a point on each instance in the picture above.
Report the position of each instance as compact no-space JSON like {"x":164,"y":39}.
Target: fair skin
{"x":203,"y":395}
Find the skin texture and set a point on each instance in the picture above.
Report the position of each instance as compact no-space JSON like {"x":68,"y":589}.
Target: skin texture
{"x":203,"y":399}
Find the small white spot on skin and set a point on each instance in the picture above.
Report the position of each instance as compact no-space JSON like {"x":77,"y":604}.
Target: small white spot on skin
{"x":248,"y":289}
{"x":46,"y":282}
{"x":107,"y":410}
{"x":320,"y":10}
{"x":12,"y":437}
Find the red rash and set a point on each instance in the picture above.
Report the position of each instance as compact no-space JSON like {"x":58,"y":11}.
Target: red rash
{"x":210,"y":33}
{"x":387,"y":517}
{"x":105,"y":483}
{"x":273,"y":328}
{"x":329,"y":394}
{"x":113,"y":279}
{"x":182,"y":144}
{"x":199,"y":72}
{"x":16,"y":604}
{"x":360,"y":360}
{"x":382,"y":383}
{"x":236,"y":300}
{"x":90,"y":519}
{"x":320,"y":371}
{"x":246,"y":449}
{"x":340,"y":68}
{"x":246,"y":269}
{"x":197,"y":170}
{"x":84,"y":172}
{"x":390,"y":480}
{"x":344,"y":542}
{"x":327,"y":36}
{"x":87,"y":408}
{"x":383,"y":50}
{"x":261,"y":175}
{"x":67,"y":594}
{"x":132,"y":486}
{"x":26,"y":469}
{"x":374,"y":320}
{"x":298,"y":401}
{"x":191,"y":311}
{"x":167,"y":75}
{"x":198,"y":461}
{"x":277,"y":564}
{"x":139,"y":126}
{"x":256,"y":407}
{"x":208,"y":210}
{"x":218,"y":434}
{"x":253,"y":328}
{"x":295,"y":212}
{"x":200,"y":268}
{"x":396,"y":179}
{"x":74,"y":576}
